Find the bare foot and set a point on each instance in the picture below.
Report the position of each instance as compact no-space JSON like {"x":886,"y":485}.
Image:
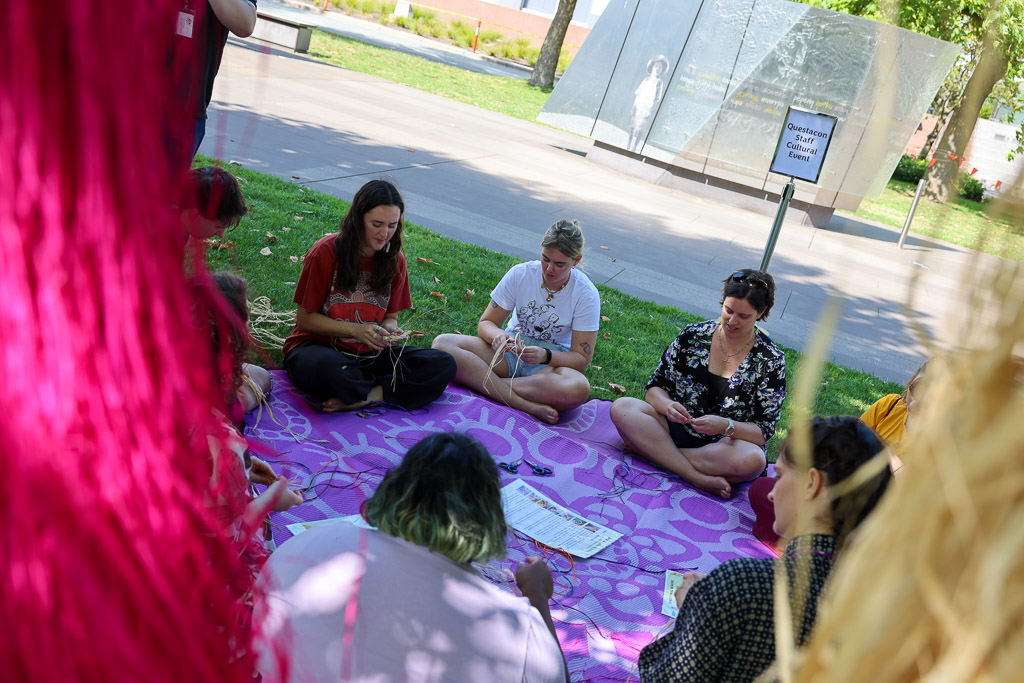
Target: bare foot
{"x":541,"y":411}
{"x":716,"y":486}
{"x":333,"y":405}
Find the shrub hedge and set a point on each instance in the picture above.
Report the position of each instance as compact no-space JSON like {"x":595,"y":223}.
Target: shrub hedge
{"x":911,"y":170}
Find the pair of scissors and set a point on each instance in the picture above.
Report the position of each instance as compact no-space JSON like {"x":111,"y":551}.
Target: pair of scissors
{"x":513,"y":467}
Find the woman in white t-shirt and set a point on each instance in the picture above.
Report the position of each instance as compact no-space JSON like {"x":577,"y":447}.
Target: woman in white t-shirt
{"x":553,"y":312}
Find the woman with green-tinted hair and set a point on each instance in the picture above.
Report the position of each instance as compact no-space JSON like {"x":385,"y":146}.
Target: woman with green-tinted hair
{"x":404,"y":596}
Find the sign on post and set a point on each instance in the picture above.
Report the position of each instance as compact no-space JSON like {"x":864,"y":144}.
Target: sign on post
{"x":805,"y":137}
{"x":799,"y":153}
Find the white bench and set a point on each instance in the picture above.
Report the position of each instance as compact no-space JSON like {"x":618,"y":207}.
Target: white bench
{"x":283,"y":32}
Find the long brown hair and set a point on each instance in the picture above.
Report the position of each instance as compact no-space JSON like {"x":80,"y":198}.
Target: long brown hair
{"x":228,"y":329}
{"x":348,"y":245}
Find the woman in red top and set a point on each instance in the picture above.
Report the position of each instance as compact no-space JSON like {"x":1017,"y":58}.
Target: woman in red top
{"x":345,"y":348}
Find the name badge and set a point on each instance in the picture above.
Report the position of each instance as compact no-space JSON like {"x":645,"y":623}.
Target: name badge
{"x":186,"y":20}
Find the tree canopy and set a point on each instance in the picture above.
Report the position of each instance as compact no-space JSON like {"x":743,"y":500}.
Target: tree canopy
{"x":991,"y":34}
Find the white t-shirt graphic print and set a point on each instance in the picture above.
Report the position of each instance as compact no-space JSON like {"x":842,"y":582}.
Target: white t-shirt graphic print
{"x":576,"y":307}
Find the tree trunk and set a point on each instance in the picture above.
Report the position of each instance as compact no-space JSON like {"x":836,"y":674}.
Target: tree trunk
{"x":547,"y":61}
{"x":941,"y":114}
{"x":940,"y":179}
{"x":949,"y":95}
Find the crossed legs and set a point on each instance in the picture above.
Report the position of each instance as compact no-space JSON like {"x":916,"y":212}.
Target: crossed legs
{"x":713,"y":468}
{"x":542,"y":395}
{"x":407,"y":376}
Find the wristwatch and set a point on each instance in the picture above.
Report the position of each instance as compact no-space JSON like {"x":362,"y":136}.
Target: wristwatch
{"x":548,"y":361}
{"x":730,"y":429}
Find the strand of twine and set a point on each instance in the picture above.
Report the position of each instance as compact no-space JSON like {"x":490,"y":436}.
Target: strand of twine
{"x":499,"y":354}
{"x":264,"y":402}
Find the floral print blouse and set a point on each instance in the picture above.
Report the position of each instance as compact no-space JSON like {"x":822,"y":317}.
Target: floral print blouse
{"x":754,"y":393}
{"x":725,"y":630}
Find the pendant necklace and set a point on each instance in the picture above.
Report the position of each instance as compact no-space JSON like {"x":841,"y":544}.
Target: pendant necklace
{"x":552,"y":292}
{"x":721,"y":345}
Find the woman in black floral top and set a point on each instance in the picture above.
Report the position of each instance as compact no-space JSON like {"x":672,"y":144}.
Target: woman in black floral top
{"x":725,"y":630}
{"x":714,"y":400}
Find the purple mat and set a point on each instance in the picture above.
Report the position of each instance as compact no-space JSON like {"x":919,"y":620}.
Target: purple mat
{"x":607,"y":607}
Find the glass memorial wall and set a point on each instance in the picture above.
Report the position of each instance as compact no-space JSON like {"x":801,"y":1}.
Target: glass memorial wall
{"x":704,"y":85}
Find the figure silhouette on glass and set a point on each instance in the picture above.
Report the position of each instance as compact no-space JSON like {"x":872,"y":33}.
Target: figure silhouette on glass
{"x":648,"y":95}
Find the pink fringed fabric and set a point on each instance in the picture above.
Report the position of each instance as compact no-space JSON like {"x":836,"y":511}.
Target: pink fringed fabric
{"x":112,"y":567}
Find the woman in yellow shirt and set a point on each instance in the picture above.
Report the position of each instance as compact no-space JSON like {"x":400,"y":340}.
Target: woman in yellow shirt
{"x":889,"y":416}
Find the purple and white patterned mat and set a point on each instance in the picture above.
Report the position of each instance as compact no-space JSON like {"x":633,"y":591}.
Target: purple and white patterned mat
{"x":607,"y":607}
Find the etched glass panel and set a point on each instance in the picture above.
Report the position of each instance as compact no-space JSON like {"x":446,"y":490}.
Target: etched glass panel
{"x":645,"y":66}
{"x":728,"y":45}
{"x":705,"y":86}
{"x":574,"y":103}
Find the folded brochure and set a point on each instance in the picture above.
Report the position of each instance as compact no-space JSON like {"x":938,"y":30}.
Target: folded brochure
{"x":531,"y":512}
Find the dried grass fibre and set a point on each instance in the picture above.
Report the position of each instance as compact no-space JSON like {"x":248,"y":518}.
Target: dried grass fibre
{"x":930,"y":588}
{"x":265,"y":322}
{"x":499,"y":355}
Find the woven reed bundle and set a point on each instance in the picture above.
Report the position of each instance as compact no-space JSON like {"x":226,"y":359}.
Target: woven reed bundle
{"x":265,"y":323}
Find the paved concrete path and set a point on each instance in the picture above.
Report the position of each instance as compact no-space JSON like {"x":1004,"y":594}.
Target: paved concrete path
{"x":499,"y":182}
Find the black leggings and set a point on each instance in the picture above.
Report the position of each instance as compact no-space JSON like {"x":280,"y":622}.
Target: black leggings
{"x":411,"y":377}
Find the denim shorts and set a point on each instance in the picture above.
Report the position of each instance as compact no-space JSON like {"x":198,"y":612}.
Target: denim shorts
{"x":519,"y":368}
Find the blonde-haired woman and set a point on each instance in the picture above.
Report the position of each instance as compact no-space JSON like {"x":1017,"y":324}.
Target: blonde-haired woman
{"x":535,"y":362}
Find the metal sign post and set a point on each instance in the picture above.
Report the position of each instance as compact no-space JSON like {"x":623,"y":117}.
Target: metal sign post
{"x":910,"y":215}
{"x":799,"y":153}
{"x":780,"y":215}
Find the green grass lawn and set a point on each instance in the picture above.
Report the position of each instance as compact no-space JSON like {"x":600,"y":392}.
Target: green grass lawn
{"x":629,"y":344}
{"x":511,"y":96}
{"x":961,"y":221}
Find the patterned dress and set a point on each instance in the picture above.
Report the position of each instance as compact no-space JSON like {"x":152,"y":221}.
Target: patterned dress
{"x":754,"y":393}
{"x":726,"y":625}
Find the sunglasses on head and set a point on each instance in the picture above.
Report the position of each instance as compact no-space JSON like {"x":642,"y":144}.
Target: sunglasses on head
{"x":740,"y":277}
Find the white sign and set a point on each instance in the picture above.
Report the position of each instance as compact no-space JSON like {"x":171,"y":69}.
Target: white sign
{"x":803,"y":143}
